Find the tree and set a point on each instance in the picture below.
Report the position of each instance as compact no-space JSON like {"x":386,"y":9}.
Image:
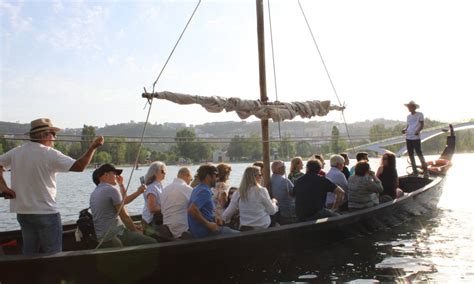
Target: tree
{"x":184,"y":142}
{"x":132,"y":151}
{"x":103,"y":157}
{"x":87,"y":136}
{"x":286,"y":148}
{"x":236,"y":149}
{"x":304,"y":149}
{"x":335,"y":140}
{"x":117,"y":149}
{"x":62,"y":147}
{"x":75,"y":150}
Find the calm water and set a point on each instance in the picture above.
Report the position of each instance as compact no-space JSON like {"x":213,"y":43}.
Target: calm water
{"x":429,"y":249}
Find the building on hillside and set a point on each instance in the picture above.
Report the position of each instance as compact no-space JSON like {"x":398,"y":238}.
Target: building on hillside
{"x":220,"y":156}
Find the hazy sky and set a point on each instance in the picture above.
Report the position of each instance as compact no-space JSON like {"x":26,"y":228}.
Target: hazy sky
{"x":86,"y":62}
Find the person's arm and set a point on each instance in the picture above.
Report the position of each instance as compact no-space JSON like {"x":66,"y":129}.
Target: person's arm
{"x":150,"y":203}
{"x":270,"y":206}
{"x":422,"y":124}
{"x":232,"y":208}
{"x":291,"y":187}
{"x":131,"y":197}
{"x":195,"y":213}
{"x":9,"y":193}
{"x":376,"y":185}
{"x":82,"y":163}
{"x":379,"y":171}
{"x":127,"y":221}
{"x":339,"y":192}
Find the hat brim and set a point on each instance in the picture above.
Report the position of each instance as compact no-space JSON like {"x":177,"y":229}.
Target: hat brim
{"x":56,"y":129}
{"x":415,"y":105}
{"x":118,"y":171}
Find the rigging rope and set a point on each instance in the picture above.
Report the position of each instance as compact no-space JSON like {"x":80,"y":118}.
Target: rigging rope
{"x":327,"y":72}
{"x":150,"y":102}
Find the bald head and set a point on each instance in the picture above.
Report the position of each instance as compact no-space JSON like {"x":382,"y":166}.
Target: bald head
{"x":185,"y":174}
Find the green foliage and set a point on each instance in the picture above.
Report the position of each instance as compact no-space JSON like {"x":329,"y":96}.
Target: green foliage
{"x":75,"y":150}
{"x":286,"y":148}
{"x":103,"y":157}
{"x":62,"y":147}
{"x":304,"y":149}
{"x":7,"y":145}
{"x":189,"y":148}
{"x":87,"y":136}
{"x":335,"y":147}
{"x":132,"y":151}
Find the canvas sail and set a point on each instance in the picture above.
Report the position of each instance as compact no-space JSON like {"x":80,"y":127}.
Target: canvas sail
{"x":277,"y":111}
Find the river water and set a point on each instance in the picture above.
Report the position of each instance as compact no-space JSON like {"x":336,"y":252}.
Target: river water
{"x":437,"y":248}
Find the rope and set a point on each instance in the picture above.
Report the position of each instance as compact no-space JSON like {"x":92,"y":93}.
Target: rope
{"x":327,"y":72}
{"x":176,"y":44}
{"x":150,"y":102}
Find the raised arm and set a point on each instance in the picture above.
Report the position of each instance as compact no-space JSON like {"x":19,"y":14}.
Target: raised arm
{"x":82,"y":163}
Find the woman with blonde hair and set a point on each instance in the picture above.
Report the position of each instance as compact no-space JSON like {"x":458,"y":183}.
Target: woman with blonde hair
{"x":295,"y":169}
{"x":252,"y":201}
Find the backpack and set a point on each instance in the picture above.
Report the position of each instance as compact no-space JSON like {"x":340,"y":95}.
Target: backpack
{"x":85,"y":232}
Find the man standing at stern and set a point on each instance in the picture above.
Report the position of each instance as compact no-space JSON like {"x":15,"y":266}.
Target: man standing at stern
{"x":415,"y":123}
{"x":34,"y":166}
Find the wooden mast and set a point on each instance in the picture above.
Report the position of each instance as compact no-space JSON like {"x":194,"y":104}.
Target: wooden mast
{"x":263,"y":95}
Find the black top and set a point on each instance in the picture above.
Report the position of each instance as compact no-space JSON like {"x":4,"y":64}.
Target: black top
{"x":310,"y":195}
{"x":389,"y":180}
{"x":346,"y":172}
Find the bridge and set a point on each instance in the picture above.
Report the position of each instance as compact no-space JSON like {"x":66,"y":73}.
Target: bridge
{"x":426,"y":134}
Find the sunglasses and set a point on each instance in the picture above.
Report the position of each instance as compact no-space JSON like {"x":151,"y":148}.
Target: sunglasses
{"x":51,"y":132}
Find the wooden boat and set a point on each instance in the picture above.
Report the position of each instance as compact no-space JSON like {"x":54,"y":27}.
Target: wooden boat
{"x":165,"y":261}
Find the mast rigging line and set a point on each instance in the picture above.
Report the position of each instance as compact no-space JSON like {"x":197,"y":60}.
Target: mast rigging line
{"x":150,"y":103}
{"x":327,"y":72}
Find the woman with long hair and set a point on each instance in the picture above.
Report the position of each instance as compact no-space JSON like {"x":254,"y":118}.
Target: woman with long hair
{"x":252,"y":201}
{"x":221,"y":190}
{"x":387,"y":173}
{"x":295,"y":169}
{"x":151,"y":214}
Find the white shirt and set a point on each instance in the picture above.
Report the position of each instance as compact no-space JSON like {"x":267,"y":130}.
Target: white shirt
{"x":174,"y":206}
{"x":255,"y":211}
{"x":155,"y":189}
{"x":336,"y":176}
{"x":413,"y":124}
{"x":33,"y":177}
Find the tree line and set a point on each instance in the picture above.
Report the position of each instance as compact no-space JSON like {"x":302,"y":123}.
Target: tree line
{"x":187,"y":148}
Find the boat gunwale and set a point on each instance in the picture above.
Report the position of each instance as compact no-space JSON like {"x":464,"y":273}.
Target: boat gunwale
{"x":248,"y":234}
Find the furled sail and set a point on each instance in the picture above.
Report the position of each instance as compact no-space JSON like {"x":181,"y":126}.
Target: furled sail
{"x":277,"y":111}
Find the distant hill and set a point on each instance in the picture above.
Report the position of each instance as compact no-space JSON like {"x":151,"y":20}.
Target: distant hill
{"x":226,"y":129}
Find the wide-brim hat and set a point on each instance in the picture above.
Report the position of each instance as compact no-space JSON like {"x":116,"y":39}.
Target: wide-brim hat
{"x":105,"y":168}
{"x":42,"y":124}
{"x":412,"y":103}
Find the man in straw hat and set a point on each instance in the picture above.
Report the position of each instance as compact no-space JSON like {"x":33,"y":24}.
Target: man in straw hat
{"x":34,"y":166}
{"x":415,"y":123}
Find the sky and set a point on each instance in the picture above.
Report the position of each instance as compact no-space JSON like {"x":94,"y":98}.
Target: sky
{"x":87,"y":62}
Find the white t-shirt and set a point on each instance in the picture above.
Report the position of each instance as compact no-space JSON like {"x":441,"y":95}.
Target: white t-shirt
{"x":413,"y":123}
{"x":255,"y":211}
{"x":33,"y":177}
{"x":174,"y":206}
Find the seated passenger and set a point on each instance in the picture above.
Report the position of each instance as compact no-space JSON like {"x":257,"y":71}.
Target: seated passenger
{"x":221,"y":190}
{"x":310,"y":194}
{"x":202,"y":220}
{"x":282,"y":189}
{"x":321,"y":160}
{"x":387,"y":173}
{"x":336,"y":175}
{"x":364,"y":187}
{"x":151,"y":214}
{"x":345,"y":170}
{"x":295,"y":169}
{"x":252,"y":201}
{"x":123,"y":190}
{"x":106,"y":207}
{"x":361,"y":156}
{"x":174,"y":203}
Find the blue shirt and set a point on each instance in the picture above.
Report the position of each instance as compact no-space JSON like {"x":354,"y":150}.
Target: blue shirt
{"x":282,"y":189}
{"x":201,"y":196}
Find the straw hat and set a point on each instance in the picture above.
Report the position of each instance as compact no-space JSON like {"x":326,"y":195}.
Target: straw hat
{"x":42,"y":124}
{"x":412,"y":103}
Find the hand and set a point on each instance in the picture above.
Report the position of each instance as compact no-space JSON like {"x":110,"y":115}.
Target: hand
{"x":274,"y":201}
{"x":417,"y":133}
{"x":404,"y":131}
{"x":139,"y":228}
{"x":141,"y":189}
{"x":8,"y":193}
{"x":99,"y":141}
{"x":371,"y":173}
{"x":219,"y":221}
{"x":119,"y":180}
{"x":213,"y":227}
